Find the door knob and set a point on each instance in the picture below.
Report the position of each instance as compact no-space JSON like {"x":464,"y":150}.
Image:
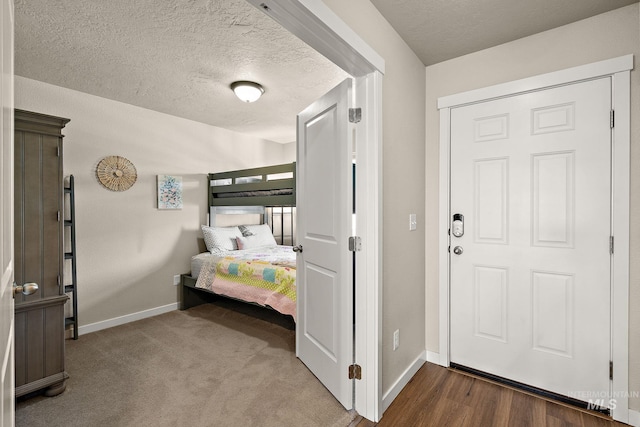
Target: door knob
{"x":458,"y":250}
{"x":26,"y":289}
{"x":297,"y":248}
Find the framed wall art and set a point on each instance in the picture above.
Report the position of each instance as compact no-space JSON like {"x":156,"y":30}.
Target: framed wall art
{"x":169,"y":192}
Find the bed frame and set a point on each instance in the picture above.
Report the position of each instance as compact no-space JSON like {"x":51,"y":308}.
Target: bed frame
{"x":246,"y":191}
{"x":190,"y":296}
{"x":251,"y":190}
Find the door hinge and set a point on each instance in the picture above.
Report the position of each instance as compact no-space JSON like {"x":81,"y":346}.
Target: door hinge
{"x":59,"y":280}
{"x":57,"y":151}
{"x":612,"y":118}
{"x":611,"y":370}
{"x":58,"y":216}
{"x":355,"y":115}
{"x":355,"y":371}
{"x":611,"y":245}
{"x":355,"y":244}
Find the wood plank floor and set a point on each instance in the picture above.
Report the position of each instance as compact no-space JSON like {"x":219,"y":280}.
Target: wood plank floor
{"x":440,"y":397}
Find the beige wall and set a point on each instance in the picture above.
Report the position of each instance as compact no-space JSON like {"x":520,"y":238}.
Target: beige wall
{"x":403,"y":186}
{"x":289,"y":152}
{"x":128,"y":251}
{"x":602,"y":37}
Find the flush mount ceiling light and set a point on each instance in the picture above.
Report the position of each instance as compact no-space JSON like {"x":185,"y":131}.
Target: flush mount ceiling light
{"x":247,"y":91}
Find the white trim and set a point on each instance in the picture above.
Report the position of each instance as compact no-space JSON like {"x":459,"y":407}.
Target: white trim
{"x":621,"y":146}
{"x":127,"y":318}
{"x":368,"y":327}
{"x":317,"y":25}
{"x":443,"y":237}
{"x":634,"y":418}
{"x":619,"y":70}
{"x":607,"y":67}
{"x":404,"y":379}
{"x":433,"y":357}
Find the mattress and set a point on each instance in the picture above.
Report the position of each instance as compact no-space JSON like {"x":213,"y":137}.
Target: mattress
{"x":264,"y":276}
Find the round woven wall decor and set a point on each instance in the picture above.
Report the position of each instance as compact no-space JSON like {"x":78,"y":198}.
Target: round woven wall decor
{"x":116,"y":173}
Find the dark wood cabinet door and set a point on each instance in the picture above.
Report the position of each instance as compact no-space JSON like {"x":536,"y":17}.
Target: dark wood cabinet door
{"x":38,"y":244}
{"x":39,"y":252}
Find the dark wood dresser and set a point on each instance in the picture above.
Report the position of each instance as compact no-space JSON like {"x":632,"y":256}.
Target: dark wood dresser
{"x":39,"y":253}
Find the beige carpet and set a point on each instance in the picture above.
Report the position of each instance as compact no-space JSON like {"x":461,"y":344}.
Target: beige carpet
{"x":206,"y":366}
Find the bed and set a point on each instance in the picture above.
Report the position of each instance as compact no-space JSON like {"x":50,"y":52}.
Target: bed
{"x":253,"y":263}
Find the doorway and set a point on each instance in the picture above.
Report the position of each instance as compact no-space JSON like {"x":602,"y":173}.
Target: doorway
{"x":547,"y":326}
{"x":320,"y":28}
{"x":530,"y":270}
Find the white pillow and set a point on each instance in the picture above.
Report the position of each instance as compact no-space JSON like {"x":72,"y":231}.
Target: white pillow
{"x":220,"y":239}
{"x":245,"y":231}
{"x":261,"y":230}
{"x":256,"y":241}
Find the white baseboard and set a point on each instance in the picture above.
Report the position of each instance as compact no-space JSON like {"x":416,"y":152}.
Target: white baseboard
{"x":433,"y":357}
{"x":117,"y":321}
{"x":395,"y":390}
{"x":634,"y":418}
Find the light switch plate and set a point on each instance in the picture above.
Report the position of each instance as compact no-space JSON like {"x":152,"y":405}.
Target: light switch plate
{"x":413,"y":224}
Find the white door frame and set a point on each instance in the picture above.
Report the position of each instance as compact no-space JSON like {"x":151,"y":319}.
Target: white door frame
{"x":7,"y":349}
{"x":619,"y":69}
{"x":317,"y":25}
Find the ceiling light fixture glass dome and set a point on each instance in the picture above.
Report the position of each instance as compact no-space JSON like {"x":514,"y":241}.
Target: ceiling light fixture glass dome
{"x":247,"y":91}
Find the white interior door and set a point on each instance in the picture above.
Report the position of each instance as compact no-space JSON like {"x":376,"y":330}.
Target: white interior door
{"x":7,"y":391}
{"x":324,"y":281}
{"x":530,"y":280}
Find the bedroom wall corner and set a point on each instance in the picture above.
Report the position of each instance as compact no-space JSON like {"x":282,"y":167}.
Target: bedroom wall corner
{"x":601,"y":37}
{"x":127,"y":250}
{"x":403,"y":187}
{"x":289,"y":152}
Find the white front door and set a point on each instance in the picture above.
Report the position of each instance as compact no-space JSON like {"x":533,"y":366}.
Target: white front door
{"x":7,"y":388}
{"x":530,"y":275}
{"x":324,"y":330}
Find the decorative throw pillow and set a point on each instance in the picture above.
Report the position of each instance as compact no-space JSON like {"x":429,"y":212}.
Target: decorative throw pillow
{"x":220,"y":239}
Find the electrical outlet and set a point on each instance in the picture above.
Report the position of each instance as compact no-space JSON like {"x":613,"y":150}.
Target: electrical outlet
{"x":396,"y":339}
{"x":176,"y":280}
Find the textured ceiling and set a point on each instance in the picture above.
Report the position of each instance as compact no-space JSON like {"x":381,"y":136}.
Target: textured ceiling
{"x":437,"y":30}
{"x":180,"y":56}
{"x":177,"y":57}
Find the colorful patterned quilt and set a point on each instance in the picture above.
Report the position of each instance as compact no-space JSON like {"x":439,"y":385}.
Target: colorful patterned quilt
{"x":265,"y":276}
